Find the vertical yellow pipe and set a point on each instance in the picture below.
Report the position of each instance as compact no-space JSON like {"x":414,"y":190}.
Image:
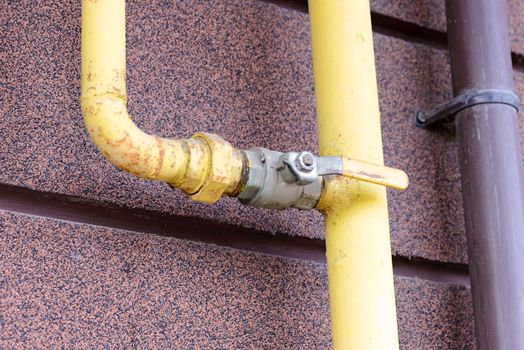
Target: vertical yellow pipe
{"x":358,"y":253}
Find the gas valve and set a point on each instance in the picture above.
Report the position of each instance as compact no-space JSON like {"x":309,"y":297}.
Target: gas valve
{"x":279,"y":180}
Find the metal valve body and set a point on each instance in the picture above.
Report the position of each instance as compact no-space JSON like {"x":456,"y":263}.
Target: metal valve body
{"x":279,"y":180}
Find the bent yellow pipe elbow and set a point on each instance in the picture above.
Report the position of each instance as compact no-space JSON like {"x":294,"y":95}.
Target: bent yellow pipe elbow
{"x":128,"y":147}
{"x":204,"y":166}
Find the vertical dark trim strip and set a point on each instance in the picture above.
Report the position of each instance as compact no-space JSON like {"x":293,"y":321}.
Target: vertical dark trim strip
{"x":492,"y":180}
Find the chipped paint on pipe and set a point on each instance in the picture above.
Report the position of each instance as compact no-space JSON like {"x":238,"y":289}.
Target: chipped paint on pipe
{"x":360,"y":273}
{"x":204,"y":166}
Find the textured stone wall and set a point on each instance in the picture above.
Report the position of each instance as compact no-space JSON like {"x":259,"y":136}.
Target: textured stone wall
{"x":91,"y":257}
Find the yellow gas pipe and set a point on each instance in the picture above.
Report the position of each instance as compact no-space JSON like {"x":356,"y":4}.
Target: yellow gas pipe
{"x":358,"y":253}
{"x":205,"y":166}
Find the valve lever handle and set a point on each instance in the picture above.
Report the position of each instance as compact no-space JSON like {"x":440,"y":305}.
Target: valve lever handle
{"x":377,"y":174}
{"x":363,"y":171}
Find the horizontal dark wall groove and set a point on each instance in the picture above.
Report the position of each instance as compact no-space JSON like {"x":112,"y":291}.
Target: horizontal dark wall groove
{"x":81,"y":211}
{"x":414,"y":33}
{"x":386,"y":25}
{"x":400,"y":29}
{"x":408,"y":31}
{"x":518,"y":62}
{"x":300,"y":5}
{"x":431,"y":270}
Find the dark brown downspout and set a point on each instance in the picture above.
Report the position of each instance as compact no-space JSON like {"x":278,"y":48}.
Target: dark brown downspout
{"x":491,"y":170}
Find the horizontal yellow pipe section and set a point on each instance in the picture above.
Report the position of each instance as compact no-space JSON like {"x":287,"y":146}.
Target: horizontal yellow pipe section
{"x":358,"y":251}
{"x":185,"y":163}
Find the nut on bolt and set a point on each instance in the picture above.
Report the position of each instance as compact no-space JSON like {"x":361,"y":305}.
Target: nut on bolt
{"x":302,"y":167}
{"x":305,"y":161}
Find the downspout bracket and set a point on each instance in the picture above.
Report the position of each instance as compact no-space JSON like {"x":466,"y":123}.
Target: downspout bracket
{"x":445,"y":112}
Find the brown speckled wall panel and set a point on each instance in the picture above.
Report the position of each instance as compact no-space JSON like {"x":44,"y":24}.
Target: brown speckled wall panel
{"x":71,"y":286}
{"x":433,"y":316}
{"x":239,"y":68}
{"x":242,"y":69}
{"x":432,"y":14}
{"x":426,"y":219}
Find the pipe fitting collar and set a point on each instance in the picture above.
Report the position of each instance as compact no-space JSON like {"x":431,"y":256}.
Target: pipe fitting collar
{"x":219,"y":168}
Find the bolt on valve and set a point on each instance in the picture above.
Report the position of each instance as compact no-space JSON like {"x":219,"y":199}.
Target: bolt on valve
{"x":279,"y":180}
